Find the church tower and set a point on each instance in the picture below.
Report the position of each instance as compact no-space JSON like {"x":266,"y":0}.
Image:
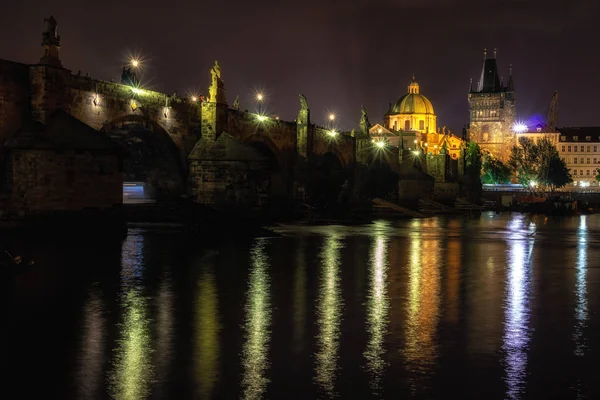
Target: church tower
{"x":492,"y":111}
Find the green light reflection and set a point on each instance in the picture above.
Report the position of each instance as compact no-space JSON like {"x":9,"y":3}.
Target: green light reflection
{"x":377,"y":311}
{"x":132,"y":371}
{"x":329,"y":313}
{"x":258,"y":319}
{"x":207,"y":334}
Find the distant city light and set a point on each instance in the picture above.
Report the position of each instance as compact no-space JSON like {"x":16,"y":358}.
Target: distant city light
{"x":416,"y":152}
{"x":533,"y":184}
{"x":137,"y":90}
{"x":261,"y":118}
{"x":194,"y":98}
{"x":135,"y":63}
{"x":332,"y":117}
{"x":520,"y":127}
{"x":380,"y":144}
{"x":332,"y":133}
{"x":379,"y":130}
{"x":259,"y":96}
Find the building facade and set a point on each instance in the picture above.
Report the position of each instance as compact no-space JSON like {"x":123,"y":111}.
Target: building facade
{"x":580,"y":149}
{"x":412,"y":112}
{"x":492,"y":112}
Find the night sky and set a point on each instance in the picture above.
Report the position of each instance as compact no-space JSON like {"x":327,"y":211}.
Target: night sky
{"x":340,"y":54}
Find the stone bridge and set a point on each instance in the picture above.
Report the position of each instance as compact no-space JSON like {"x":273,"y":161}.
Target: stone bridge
{"x":179,"y":145}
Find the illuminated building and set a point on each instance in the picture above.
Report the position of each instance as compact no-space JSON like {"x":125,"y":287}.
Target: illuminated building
{"x":580,"y":149}
{"x":412,"y":112}
{"x":492,"y":111}
{"x":411,"y":121}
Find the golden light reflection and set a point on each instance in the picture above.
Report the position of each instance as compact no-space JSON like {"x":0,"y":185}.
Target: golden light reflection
{"x":453,"y":280}
{"x":207,"y":334}
{"x":132,"y":370}
{"x":329,"y":313}
{"x":516,"y":334}
{"x":581,"y":313}
{"x":258,"y":320}
{"x":92,"y":347}
{"x":164,"y":332}
{"x":424,"y":298}
{"x":133,"y":367}
{"x":299,"y":293}
{"x":377,"y":310}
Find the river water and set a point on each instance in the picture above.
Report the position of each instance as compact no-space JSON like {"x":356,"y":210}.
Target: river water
{"x":501,"y":307}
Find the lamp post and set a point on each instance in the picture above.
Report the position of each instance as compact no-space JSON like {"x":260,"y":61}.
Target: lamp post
{"x":331,"y":118}
{"x":259,"y":98}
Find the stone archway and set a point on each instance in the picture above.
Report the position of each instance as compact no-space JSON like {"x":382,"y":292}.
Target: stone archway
{"x":149,"y":155}
{"x":277,"y":171}
{"x":329,"y":181}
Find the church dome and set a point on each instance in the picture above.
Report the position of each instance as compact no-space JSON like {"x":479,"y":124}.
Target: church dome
{"x":412,"y":103}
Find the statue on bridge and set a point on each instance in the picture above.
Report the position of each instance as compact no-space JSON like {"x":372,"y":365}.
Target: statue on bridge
{"x":50,"y":35}
{"x":303,"y":102}
{"x":236,"y":103}
{"x":364,"y":121}
{"x":217,"y":88}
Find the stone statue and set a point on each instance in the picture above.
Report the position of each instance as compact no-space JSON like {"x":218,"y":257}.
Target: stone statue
{"x":364,"y":118}
{"x":216,"y":91}
{"x":303,"y":102}
{"x":51,"y":26}
{"x":236,"y":103}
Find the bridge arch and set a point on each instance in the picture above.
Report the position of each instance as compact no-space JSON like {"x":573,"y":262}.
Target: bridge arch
{"x":150,"y":155}
{"x":277,"y":168}
{"x":329,"y":180}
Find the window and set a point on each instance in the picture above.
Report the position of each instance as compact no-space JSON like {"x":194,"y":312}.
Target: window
{"x":587,"y":172}
{"x":580,"y":172}
{"x":581,"y":160}
{"x":587,"y":160}
{"x":575,"y":172}
{"x":588,"y":149}
{"x":582,"y":150}
{"x":575,"y":138}
{"x":595,"y":160}
{"x":486,"y":136}
{"x":595,"y":149}
{"x":569,"y":147}
{"x":574,"y":160}
{"x":407,"y":125}
{"x":563,"y":149}
{"x":421,"y":125}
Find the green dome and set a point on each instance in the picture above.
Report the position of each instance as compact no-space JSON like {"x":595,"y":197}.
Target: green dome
{"x":412,"y":103}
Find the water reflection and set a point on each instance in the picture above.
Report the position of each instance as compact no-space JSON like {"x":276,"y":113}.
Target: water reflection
{"x":258,"y":319}
{"x":299,"y":293}
{"x":207,"y":331}
{"x":91,"y":360}
{"x":516,"y":336}
{"x":164,"y":332}
{"x":329,"y":312}
{"x":581,"y":312}
{"x":377,"y":307}
{"x":424,"y":302}
{"x":133,"y":370}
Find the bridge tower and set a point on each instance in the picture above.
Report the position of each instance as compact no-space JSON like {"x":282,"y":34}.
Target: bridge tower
{"x":492,"y":111}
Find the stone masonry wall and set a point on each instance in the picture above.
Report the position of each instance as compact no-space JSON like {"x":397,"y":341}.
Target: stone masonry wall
{"x":342,"y":146}
{"x":99,"y":103}
{"x":14,"y":97}
{"x":229,"y":184}
{"x":45,"y":180}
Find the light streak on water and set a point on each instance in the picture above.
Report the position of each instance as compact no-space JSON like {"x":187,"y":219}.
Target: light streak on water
{"x":329,"y":314}
{"x":257,"y":326}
